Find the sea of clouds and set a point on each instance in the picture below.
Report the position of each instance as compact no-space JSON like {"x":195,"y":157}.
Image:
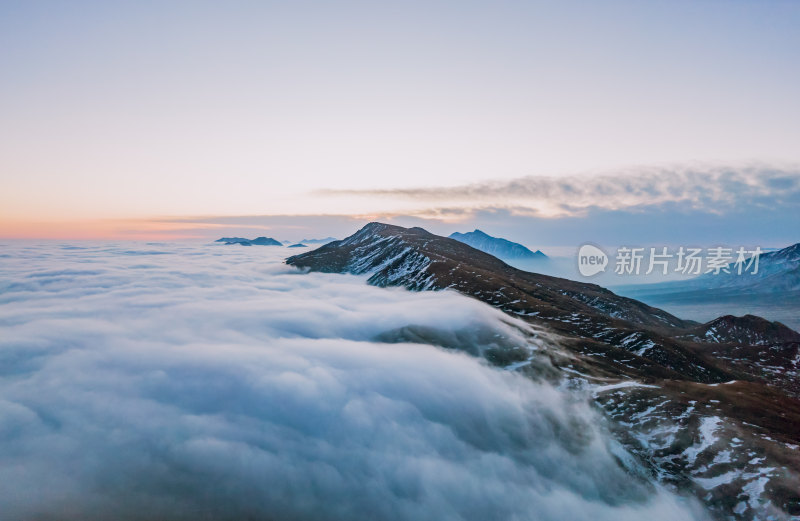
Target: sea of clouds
{"x":199,"y":382}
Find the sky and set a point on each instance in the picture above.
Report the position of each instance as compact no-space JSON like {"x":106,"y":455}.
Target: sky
{"x":169,"y":119}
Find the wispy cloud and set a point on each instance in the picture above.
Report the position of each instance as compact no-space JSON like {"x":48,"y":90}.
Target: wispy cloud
{"x":714,"y":189}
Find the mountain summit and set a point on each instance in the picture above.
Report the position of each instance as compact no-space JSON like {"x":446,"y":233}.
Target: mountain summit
{"x":419,"y":260}
{"x":497,"y":246}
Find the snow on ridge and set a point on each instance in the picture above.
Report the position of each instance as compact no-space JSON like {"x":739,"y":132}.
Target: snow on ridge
{"x":620,"y":385}
{"x":708,"y":426}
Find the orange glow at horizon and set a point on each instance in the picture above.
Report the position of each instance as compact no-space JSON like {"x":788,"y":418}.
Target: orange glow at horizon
{"x":99,"y":229}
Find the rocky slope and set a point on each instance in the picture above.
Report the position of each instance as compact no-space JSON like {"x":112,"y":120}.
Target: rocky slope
{"x":712,"y":408}
{"x":746,"y":330}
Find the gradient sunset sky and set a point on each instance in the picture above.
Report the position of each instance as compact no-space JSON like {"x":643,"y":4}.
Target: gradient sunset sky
{"x":174,"y":119}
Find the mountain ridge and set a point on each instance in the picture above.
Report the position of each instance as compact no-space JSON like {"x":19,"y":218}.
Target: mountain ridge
{"x":419,"y":260}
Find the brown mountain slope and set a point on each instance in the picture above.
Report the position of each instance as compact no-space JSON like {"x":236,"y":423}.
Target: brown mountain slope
{"x":712,"y":408}
{"x":635,"y":334}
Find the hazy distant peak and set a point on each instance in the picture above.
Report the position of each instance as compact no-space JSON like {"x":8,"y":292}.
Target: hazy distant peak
{"x":258,"y":241}
{"x":497,"y":246}
{"x":317,"y":241}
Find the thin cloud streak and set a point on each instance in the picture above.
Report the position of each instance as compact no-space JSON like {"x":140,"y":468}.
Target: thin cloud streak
{"x":754,"y":204}
{"x":710,"y":189}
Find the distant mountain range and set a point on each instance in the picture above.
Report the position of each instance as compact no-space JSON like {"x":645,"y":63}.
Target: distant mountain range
{"x":775,"y":287}
{"x":269,"y":241}
{"x":676,"y":391}
{"x":318,"y":241}
{"x":778,"y":271}
{"x":258,"y":241}
{"x":499,"y":247}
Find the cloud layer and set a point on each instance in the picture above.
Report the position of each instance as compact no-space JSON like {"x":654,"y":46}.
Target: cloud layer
{"x":177,"y":383}
{"x":713,"y":189}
